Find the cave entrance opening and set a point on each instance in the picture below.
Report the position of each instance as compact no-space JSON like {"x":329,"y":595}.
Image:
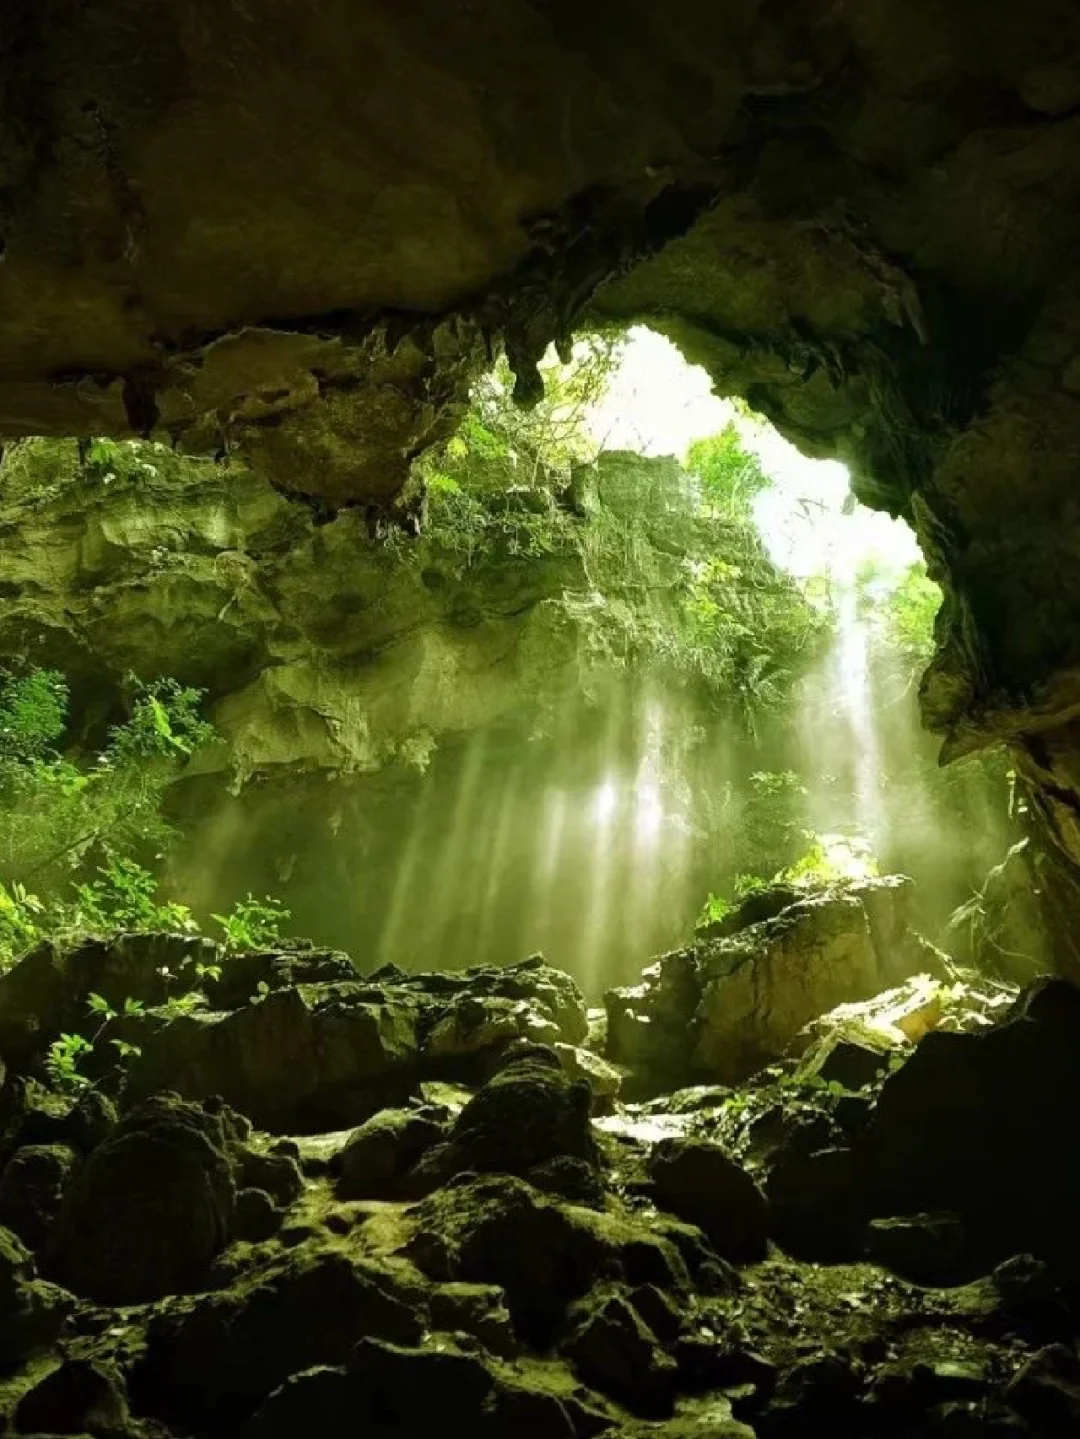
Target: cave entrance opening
{"x":715,"y":680}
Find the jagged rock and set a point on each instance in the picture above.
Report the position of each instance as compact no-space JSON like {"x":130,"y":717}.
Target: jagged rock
{"x":150,"y":1208}
{"x":32,"y":1189}
{"x":318,"y":1058}
{"x":844,"y":1062}
{"x":75,"y":1398}
{"x":541,"y":1252}
{"x":524,"y":1118}
{"x":255,"y":1216}
{"x":473,"y":1025}
{"x":488,"y":1009}
{"x":276,"y":1173}
{"x":328,"y":1055}
{"x":45,"y":994}
{"x":578,"y":1180}
{"x":379,"y":1155}
{"x":983,"y":1125}
{"x":30,"y":1114}
{"x":32,"y":1313}
{"x":734,"y":1003}
{"x":1003,"y":930}
{"x":762,"y":986}
{"x":603,"y":1079}
{"x":243,"y":974}
{"x":1046,"y":1391}
{"x":926,"y":1248}
{"x":476,"y":1309}
{"x":702,"y":1184}
{"x":648,"y":1024}
{"x":307,"y":1308}
{"x":614,"y":1350}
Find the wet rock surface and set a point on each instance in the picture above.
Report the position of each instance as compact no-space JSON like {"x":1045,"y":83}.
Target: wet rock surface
{"x":746,"y":989}
{"x":836,"y":1245}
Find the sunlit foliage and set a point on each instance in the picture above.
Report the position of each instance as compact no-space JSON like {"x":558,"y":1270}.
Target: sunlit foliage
{"x":665,"y":566}
{"x":59,"y":816}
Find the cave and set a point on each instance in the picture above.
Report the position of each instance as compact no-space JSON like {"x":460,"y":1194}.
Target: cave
{"x":522,"y":1126}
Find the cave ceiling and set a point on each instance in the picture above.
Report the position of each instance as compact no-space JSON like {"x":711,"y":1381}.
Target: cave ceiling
{"x":298,"y":231}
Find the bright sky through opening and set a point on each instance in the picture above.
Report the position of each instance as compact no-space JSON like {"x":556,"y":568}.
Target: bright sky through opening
{"x":657,"y":404}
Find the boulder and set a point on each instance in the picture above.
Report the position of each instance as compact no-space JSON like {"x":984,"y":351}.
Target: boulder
{"x":278,"y":1174}
{"x":603,"y":1079}
{"x":32,"y":1115}
{"x":483,"y":1009}
{"x":380,"y":1154}
{"x":149,"y":1209}
{"x":984,"y":1125}
{"x":700,"y":1183}
{"x":298,"y":1060}
{"x":762,"y":986}
{"x":525,"y":1117}
{"x":476,"y":1309}
{"x":255,"y":1216}
{"x":45,"y":994}
{"x":542,"y":1252}
{"x":614,"y":1350}
{"x":649,"y":1023}
{"x":845,"y":1062}
{"x":32,"y":1313}
{"x":499,"y":1230}
{"x":310,"y":1307}
{"x":739,"y":998}
{"x":474,"y":1025}
{"x":243,"y":975}
{"x":32,"y":1189}
{"x":1046,"y":1391}
{"x":1003,"y":929}
{"x":77,"y":1397}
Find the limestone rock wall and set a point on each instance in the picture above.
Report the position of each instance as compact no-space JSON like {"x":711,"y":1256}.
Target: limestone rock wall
{"x":320,"y":648}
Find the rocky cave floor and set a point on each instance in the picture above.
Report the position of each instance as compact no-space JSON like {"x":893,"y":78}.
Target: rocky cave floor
{"x":307,"y":1200}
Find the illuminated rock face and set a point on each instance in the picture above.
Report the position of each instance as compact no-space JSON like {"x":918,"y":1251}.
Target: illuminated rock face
{"x":298,"y":235}
{"x":320,"y":649}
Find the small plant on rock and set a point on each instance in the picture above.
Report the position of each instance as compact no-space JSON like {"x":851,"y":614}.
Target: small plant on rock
{"x":65,"y":1054}
{"x":125,"y":897}
{"x":62,"y":1061}
{"x":253,"y":923}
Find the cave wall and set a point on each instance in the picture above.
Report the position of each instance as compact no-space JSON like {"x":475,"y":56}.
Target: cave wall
{"x":320,"y":647}
{"x":297,"y":233}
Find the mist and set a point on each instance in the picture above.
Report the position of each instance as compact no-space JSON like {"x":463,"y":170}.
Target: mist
{"x":596,"y":834}
{"x":593,"y":825}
